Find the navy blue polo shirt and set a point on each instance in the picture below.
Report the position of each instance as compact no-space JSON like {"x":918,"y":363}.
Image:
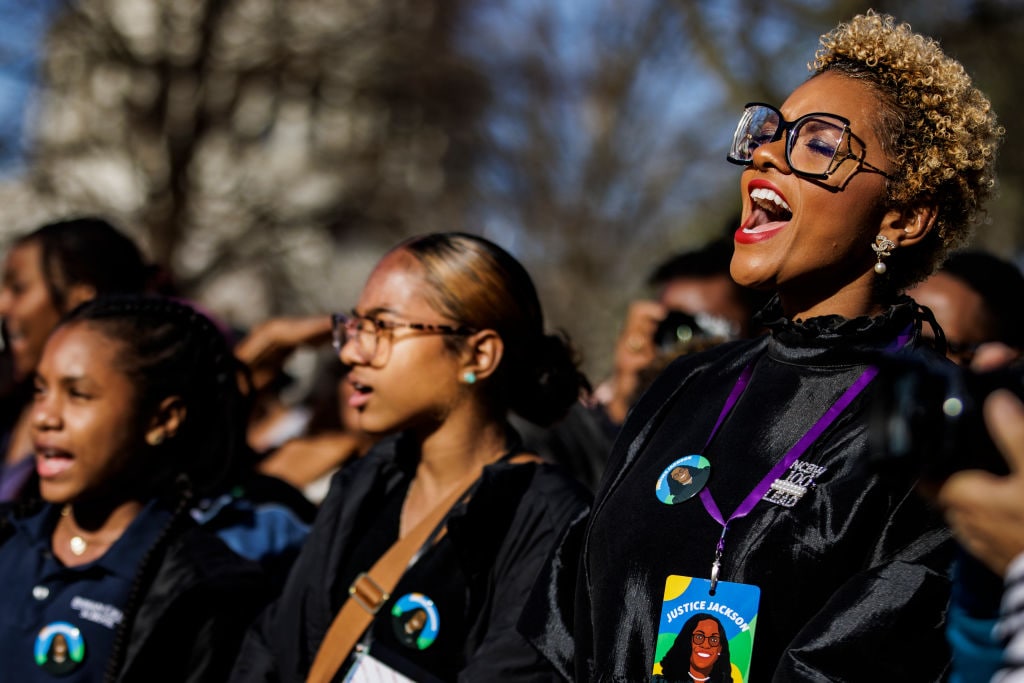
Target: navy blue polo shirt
{"x":57,"y":622}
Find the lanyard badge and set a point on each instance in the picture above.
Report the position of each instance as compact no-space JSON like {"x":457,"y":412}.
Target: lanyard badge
{"x":707,"y":626}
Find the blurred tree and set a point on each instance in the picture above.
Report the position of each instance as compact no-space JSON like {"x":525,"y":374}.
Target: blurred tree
{"x":269,"y":150}
{"x":243,"y":138}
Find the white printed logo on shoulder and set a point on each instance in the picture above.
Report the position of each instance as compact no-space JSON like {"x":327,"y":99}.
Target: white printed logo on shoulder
{"x":97,"y":612}
{"x":788,"y":490}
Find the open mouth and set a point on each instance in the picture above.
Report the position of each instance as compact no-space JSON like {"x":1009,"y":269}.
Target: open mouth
{"x":51,"y":462}
{"x":360,"y":394}
{"x":769,"y":210}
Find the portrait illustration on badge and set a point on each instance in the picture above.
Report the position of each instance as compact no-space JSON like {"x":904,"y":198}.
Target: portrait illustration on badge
{"x":415,"y":621}
{"x":703,"y":637}
{"x":59,"y":648}
{"x":683,"y":479}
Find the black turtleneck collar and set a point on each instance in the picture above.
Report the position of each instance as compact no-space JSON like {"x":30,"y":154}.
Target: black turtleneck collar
{"x":820,"y":339}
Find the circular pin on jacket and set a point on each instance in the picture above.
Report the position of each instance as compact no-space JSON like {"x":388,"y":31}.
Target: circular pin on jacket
{"x":415,"y":621}
{"x":59,"y":648}
{"x":683,"y":479}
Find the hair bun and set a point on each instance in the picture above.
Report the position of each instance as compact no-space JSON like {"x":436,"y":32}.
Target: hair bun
{"x":550,"y":381}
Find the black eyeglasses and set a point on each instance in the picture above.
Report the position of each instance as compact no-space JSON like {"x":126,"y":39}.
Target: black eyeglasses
{"x":817,"y":145}
{"x":367,"y":333}
{"x":698,"y":638}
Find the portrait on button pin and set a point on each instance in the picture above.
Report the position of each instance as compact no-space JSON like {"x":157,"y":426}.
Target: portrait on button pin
{"x":415,"y":621}
{"x":59,"y":648}
{"x":683,"y":479}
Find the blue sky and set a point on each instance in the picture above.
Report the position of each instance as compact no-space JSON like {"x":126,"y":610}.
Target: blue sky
{"x":21,"y":35}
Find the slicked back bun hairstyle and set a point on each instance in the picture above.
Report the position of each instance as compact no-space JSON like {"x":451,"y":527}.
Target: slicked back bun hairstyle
{"x":480,"y":285}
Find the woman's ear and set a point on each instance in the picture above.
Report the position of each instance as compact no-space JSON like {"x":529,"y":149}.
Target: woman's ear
{"x":484,"y":351}
{"x":909,"y":225}
{"x":166,"y":421}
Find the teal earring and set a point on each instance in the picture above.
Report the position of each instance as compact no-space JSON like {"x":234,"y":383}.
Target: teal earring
{"x":469,"y":377}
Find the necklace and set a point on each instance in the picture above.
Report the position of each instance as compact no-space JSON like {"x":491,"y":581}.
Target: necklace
{"x":697,"y":678}
{"x":77,"y":544}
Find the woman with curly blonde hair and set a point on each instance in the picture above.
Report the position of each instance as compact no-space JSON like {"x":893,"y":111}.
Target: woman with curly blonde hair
{"x":853,"y":188}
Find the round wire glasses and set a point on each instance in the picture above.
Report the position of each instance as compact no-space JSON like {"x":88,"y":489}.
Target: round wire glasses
{"x":698,"y":638}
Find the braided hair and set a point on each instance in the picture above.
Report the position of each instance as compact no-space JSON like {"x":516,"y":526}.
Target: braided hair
{"x":168,"y":348}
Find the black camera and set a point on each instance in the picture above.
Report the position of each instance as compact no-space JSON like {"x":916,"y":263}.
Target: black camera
{"x":926,"y":419}
{"x":681,"y":331}
{"x":674,"y":329}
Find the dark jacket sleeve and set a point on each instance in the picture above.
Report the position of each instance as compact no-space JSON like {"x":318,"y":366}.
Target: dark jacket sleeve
{"x":255,"y":662}
{"x":192,"y":621}
{"x":886,"y":620}
{"x":282,"y":642}
{"x":552,"y":503}
{"x":557,"y":617}
{"x":548,"y":620}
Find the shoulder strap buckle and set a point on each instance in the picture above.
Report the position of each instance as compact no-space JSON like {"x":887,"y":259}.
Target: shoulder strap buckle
{"x":368,"y":594}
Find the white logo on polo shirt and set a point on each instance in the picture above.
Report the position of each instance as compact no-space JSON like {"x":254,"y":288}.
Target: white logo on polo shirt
{"x":97,"y":612}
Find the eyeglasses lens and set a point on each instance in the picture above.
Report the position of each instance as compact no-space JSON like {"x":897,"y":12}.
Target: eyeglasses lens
{"x":757,"y":127}
{"x":699,"y":638}
{"x":363,"y":331}
{"x":814,"y":142}
{"x":811,"y":146}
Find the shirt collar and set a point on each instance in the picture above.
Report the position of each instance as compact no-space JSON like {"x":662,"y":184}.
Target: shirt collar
{"x":123,"y":557}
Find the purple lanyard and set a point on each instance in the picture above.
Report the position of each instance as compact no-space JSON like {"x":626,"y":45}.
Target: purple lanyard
{"x":791,"y":455}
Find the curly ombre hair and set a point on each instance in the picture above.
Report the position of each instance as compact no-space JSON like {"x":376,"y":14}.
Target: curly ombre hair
{"x":936,"y":128}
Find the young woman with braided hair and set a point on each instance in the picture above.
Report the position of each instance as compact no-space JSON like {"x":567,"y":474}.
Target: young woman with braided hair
{"x":136,"y":412}
{"x":46,"y":273}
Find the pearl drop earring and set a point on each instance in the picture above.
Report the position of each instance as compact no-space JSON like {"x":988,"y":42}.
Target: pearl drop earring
{"x":882,"y":247}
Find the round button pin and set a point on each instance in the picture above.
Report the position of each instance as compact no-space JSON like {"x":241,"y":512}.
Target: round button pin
{"x":415,"y":621}
{"x":683,"y":479}
{"x":59,"y":648}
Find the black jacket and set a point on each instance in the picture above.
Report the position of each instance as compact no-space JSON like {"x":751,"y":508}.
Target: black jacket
{"x":193,"y":613}
{"x":853,"y":576}
{"x":478,"y":574}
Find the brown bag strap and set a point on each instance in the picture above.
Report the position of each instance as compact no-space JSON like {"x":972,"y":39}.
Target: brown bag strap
{"x":371,"y":589}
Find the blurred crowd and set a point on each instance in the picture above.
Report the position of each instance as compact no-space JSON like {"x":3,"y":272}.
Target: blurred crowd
{"x":814,"y":425}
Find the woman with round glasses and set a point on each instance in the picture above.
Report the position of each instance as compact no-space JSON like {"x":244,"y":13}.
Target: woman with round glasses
{"x":699,"y":653}
{"x":446,"y":339}
{"x":854,"y":188}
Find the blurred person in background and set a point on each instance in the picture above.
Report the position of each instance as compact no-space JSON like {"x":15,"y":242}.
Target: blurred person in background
{"x":46,"y":273}
{"x":446,"y":339}
{"x":976,"y":298}
{"x":697,"y":284}
{"x":986,"y":513}
{"x":302,"y":444}
{"x":136,"y":412}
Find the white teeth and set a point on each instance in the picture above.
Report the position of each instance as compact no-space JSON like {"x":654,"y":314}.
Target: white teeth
{"x":769,"y":199}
